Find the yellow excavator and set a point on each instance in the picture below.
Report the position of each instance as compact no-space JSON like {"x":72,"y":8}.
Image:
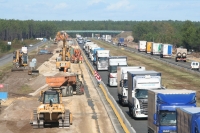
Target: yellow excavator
{"x":20,"y":59}
{"x":62,"y":61}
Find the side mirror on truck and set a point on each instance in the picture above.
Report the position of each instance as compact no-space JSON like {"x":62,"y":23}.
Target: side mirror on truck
{"x":155,"y":119}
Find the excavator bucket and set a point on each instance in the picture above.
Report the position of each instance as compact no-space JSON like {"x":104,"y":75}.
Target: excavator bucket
{"x":17,"y":69}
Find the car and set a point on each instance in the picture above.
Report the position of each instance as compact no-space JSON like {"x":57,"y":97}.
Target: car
{"x":195,"y":65}
{"x":30,"y":45}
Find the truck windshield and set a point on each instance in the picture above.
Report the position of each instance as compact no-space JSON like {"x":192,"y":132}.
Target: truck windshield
{"x":125,"y":83}
{"x":113,"y":69}
{"x":100,"y":59}
{"x":167,"y":118}
{"x":141,"y":93}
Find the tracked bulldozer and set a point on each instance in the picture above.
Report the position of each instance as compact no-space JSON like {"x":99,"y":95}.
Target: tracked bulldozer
{"x":51,"y":112}
{"x":20,"y":59}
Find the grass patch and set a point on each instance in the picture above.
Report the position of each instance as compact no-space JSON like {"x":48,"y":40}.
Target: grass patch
{"x":25,"y":89}
{"x":172,"y":78}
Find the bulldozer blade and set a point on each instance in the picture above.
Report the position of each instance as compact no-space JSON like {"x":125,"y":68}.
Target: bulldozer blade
{"x":17,"y":69}
{"x":35,"y":71}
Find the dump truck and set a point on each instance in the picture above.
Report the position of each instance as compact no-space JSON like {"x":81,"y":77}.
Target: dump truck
{"x":181,"y":54}
{"x":162,"y":106}
{"x":67,"y":85}
{"x":188,"y":120}
{"x":51,"y":111}
{"x":20,"y":59}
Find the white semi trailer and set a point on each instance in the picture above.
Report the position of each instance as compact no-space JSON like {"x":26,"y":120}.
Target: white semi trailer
{"x":122,"y":82}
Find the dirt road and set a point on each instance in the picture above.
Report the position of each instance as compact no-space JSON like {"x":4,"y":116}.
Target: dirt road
{"x":89,"y":114}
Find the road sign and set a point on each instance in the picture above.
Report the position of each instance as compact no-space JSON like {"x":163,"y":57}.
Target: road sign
{"x":97,"y":76}
{"x":1,"y":85}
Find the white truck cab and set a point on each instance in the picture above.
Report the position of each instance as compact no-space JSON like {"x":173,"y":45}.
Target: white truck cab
{"x":102,"y":59}
{"x":113,"y":63}
{"x":139,"y":82}
{"x":122,"y":82}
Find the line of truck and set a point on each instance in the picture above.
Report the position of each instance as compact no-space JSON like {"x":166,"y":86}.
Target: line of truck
{"x":141,"y":91}
{"x":163,"y":50}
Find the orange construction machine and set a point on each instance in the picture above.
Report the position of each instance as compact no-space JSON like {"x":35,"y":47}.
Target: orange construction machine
{"x":66,"y":84}
{"x":76,"y":56}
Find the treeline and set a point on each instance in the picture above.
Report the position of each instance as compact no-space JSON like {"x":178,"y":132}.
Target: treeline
{"x":17,"y":29}
{"x":180,"y":33}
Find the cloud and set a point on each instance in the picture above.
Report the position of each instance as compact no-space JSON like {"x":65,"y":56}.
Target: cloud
{"x":120,"y":5}
{"x":92,"y":2}
{"x":60,"y":6}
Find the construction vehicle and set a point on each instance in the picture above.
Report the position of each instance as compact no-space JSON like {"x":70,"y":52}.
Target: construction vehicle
{"x":32,"y":67}
{"x":66,"y":84}
{"x":75,"y":55}
{"x":51,"y":111}
{"x":62,"y":62}
{"x":20,"y":59}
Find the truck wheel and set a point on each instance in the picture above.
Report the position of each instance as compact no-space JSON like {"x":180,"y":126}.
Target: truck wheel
{"x":184,"y":60}
{"x":70,"y":90}
{"x":64,"y":90}
{"x":120,"y":100}
{"x":67,"y":92}
{"x":130,"y":112}
{"x":78,"y":88}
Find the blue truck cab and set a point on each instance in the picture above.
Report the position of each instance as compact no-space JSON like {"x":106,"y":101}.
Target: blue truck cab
{"x":162,"y":106}
{"x":94,"y":59}
{"x":188,"y":120}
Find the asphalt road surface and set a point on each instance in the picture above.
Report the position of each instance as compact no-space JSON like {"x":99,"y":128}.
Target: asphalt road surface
{"x":8,"y":58}
{"x":140,"y":125}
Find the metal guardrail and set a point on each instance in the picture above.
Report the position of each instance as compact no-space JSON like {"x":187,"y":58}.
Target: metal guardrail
{"x":118,"y":112}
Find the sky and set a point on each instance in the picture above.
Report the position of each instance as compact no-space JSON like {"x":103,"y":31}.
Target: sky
{"x":116,"y":10}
